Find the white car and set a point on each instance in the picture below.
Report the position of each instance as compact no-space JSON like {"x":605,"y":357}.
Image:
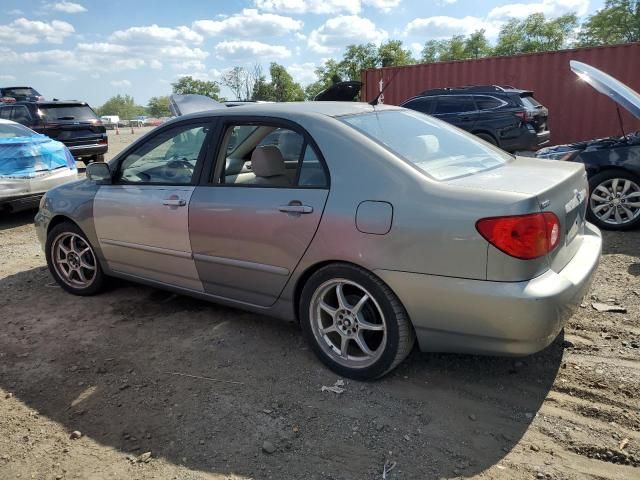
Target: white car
{"x":30,"y":164}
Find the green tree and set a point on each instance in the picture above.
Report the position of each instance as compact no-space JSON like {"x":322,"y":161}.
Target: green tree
{"x":430,"y":51}
{"x":452,"y":49}
{"x":476,"y":45}
{"x":263,"y":90}
{"x":158,"y":107}
{"x":617,"y":22}
{"x":189,"y":85}
{"x":284,"y":88}
{"x":391,"y":54}
{"x":122,"y":105}
{"x":535,"y":34}
{"x":281,"y":88}
{"x":355,"y":59}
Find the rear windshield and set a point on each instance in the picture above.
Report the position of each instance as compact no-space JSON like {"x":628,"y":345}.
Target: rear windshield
{"x":20,"y":92}
{"x":78,"y":113}
{"x":435,"y":147}
{"x":10,"y":130}
{"x":530,"y":102}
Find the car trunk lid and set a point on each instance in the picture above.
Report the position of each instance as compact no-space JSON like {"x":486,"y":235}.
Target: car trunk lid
{"x":558,"y":187}
{"x":537,"y":114}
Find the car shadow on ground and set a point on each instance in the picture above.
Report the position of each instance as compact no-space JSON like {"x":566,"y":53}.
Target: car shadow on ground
{"x":624,"y":243}
{"x":115,"y":367}
{"x":18,"y":219}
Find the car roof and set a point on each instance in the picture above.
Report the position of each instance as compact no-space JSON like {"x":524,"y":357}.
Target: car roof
{"x":330,"y":109}
{"x":47,"y":103}
{"x":5,"y":122}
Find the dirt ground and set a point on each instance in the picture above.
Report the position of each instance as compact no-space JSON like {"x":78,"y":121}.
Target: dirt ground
{"x":209,"y":391}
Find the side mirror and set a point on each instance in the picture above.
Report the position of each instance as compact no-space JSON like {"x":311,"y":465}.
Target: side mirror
{"x":99,"y":172}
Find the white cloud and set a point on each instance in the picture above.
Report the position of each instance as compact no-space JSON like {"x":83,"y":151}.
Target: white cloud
{"x":444,"y":27}
{"x":153,"y":35}
{"x":67,"y":7}
{"x":322,"y":7}
{"x":384,"y":5}
{"x":303,"y":73}
{"x":28,"y":32}
{"x":551,"y":8}
{"x":239,"y":50}
{"x":7,"y":78}
{"x":446,"y":2}
{"x":120,"y":83}
{"x":249,"y":23}
{"x":338,"y":32}
{"x":53,"y":74}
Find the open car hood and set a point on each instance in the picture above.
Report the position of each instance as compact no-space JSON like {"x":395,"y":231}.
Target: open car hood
{"x":609,"y":86}
{"x":340,"y":92}
{"x":185,"y":104}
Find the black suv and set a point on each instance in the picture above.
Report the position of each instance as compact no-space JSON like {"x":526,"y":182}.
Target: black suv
{"x":71,"y":122}
{"x":504,"y":116}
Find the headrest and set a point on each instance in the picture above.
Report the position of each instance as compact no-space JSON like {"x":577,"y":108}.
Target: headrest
{"x":267,"y":161}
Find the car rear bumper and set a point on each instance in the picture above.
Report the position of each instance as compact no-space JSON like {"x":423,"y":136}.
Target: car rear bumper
{"x":82,"y":151}
{"x":484,"y":317}
{"x":528,"y":140}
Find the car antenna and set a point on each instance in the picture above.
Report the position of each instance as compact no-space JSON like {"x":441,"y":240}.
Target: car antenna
{"x":621,"y":122}
{"x":374,"y":102}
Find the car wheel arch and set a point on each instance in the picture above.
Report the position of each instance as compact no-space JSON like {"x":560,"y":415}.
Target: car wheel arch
{"x":308,"y":273}
{"x":57,"y":220}
{"x":489,"y":134}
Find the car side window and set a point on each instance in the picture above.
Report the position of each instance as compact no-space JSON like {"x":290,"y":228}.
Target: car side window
{"x":423,"y":105}
{"x":167,"y":158}
{"x":484,"y":102}
{"x":455,"y":104}
{"x":5,"y":112}
{"x":21,"y":115}
{"x":268,"y":156}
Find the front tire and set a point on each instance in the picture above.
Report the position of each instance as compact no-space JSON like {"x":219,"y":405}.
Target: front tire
{"x":614,"y":200}
{"x":72,"y":260}
{"x":354,"y":322}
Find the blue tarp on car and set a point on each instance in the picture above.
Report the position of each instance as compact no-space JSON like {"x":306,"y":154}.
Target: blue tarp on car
{"x":29,"y":157}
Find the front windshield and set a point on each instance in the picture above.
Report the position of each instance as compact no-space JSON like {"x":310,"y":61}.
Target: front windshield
{"x":438,"y":149}
{"x":10,"y":130}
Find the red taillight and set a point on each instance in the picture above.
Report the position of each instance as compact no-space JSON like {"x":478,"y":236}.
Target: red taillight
{"x":524,"y":115}
{"x":522,"y":236}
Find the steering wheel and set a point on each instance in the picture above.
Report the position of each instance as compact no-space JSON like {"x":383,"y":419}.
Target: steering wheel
{"x":178,"y":167}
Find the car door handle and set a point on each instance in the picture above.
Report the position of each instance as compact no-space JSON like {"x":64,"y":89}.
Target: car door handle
{"x":174,"y":202}
{"x":295,"y":208}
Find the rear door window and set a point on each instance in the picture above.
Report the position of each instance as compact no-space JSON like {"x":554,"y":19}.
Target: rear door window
{"x":455,"y":104}
{"x":424,"y":105}
{"x":72,"y":113}
{"x":484,"y":102}
{"x":5,"y":112}
{"x":21,"y":114}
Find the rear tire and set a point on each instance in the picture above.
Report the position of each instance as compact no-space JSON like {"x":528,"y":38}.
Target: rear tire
{"x":356,"y":337}
{"x":72,"y":260}
{"x":614,"y":200}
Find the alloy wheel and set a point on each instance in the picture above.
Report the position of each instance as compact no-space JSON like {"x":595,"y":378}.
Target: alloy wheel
{"x":73,"y":260}
{"x":616,"y":201}
{"x":348,"y":320}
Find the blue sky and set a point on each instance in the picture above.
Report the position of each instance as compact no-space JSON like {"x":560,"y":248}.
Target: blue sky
{"x":90,"y":50}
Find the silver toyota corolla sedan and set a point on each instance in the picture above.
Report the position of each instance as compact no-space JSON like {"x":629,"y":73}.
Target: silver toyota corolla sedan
{"x":371,"y":226}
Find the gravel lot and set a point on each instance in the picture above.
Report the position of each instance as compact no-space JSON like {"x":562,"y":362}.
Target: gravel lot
{"x":247,"y":402}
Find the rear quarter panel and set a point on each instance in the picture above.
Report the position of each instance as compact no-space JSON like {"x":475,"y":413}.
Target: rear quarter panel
{"x":433,"y":226}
